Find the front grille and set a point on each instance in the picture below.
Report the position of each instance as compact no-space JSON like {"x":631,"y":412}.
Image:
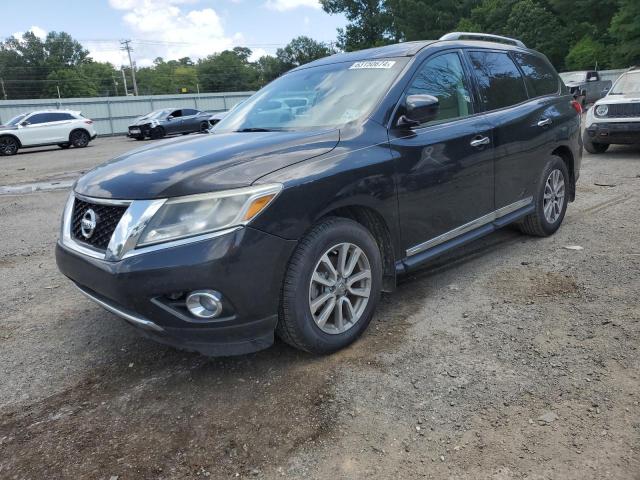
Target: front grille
{"x":624,"y":110}
{"x":107,"y":218}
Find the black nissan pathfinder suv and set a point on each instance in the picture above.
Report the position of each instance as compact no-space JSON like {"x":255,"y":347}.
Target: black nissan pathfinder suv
{"x":315,"y":194}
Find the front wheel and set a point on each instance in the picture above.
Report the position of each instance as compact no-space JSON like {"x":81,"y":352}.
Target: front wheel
{"x":157,"y":133}
{"x":204,"y":127}
{"x":593,"y":147}
{"x":8,"y":146}
{"x":550,"y":201}
{"x":79,"y":138}
{"x":331,"y":287}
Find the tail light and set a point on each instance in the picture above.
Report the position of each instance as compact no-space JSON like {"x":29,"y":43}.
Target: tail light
{"x":576,"y":105}
{"x":88,"y":122}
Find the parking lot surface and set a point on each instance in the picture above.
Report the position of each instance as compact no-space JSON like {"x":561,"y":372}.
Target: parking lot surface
{"x":516,"y":357}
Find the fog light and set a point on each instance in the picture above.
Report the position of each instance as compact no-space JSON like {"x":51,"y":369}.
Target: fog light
{"x":204,"y":303}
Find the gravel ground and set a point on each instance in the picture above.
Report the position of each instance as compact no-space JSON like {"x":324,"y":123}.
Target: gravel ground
{"x":512,"y":358}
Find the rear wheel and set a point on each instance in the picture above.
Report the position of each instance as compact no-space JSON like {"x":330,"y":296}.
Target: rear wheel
{"x":79,"y":138}
{"x":204,"y":127}
{"x":551,"y":200}
{"x":157,"y":133}
{"x":593,"y":147}
{"x":331,"y":287}
{"x":8,"y":146}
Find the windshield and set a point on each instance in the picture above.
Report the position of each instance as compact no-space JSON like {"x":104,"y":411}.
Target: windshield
{"x":628,"y":83}
{"x":154,"y":114}
{"x":318,"y":97}
{"x":16,"y":120}
{"x":573,"y":77}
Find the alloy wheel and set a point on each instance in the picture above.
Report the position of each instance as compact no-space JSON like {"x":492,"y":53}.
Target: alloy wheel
{"x":340,"y":288}
{"x":553,"y":200}
{"x":8,"y":146}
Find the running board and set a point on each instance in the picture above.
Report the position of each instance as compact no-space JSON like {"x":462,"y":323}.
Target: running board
{"x":416,"y":260}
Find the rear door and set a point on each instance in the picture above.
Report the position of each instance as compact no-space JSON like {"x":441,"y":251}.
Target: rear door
{"x":522,"y":126}
{"x":59,"y":126}
{"x":445,"y":167}
{"x":190,"y":120}
{"x":175,"y":124}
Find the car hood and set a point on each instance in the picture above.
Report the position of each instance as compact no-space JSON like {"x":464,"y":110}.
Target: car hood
{"x":141,"y":121}
{"x":4,"y":128}
{"x":202,"y":163}
{"x":613,"y":99}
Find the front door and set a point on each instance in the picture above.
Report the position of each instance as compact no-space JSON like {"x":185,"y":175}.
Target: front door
{"x":444,"y":167}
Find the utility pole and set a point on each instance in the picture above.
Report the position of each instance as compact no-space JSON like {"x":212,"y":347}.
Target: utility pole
{"x":115,"y":86}
{"x":128,"y":48}
{"x":4,"y":92}
{"x":58,"y":88}
{"x":124,"y":80}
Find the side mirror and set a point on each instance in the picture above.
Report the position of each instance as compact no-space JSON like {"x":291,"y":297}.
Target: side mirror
{"x":24,"y":124}
{"x":419,"y":109}
{"x":170,"y":117}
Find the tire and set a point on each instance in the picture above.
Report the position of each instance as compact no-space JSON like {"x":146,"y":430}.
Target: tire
{"x":8,"y":146}
{"x":297,"y":325}
{"x":592,"y":147}
{"x":157,"y":133}
{"x":79,"y":138}
{"x":543,"y":224}
{"x":64,"y":146}
{"x":139,"y":138}
{"x":204,"y":127}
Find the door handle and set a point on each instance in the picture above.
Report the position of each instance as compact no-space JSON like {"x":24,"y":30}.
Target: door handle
{"x":545,"y":122}
{"x":480,"y":141}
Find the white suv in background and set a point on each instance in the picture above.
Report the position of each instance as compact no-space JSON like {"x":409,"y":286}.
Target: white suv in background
{"x":46,"y":127}
{"x":615,"y":119}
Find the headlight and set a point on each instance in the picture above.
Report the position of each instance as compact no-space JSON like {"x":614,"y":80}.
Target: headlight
{"x":182,"y":217}
{"x":602,"y":110}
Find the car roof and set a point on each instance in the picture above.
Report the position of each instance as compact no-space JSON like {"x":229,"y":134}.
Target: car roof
{"x":409,"y":49}
{"x":75,"y":112}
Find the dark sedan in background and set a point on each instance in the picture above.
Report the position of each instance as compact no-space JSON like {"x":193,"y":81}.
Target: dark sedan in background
{"x":160,"y":123}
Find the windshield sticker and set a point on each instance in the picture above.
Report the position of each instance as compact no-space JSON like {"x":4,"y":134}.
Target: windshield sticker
{"x":385,"y":64}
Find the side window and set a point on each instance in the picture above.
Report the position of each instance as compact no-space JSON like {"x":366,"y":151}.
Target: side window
{"x":499,"y":80}
{"x":189,"y":111}
{"x":443,"y":77}
{"x":539,"y":75}
{"x":57,"y":117}
{"x":176,"y":113}
{"x":591,"y":76}
{"x":38,"y":118}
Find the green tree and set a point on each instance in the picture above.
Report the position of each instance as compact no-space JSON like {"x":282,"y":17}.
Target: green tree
{"x":301,"y":50}
{"x":586,"y":54}
{"x":415,"y":19}
{"x":370,"y":23}
{"x":625,"y":28}
{"x":227,"y":71}
{"x":71,"y":82}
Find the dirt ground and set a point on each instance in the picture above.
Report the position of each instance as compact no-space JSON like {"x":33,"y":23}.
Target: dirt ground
{"x":512,"y":358}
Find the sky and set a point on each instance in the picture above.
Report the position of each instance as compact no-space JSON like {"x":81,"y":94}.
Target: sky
{"x":172,"y":28}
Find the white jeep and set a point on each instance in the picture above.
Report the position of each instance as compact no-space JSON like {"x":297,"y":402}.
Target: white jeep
{"x":615,"y":119}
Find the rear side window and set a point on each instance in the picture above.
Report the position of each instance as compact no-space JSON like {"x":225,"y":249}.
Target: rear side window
{"x":539,"y":75}
{"x":56,"y":117}
{"x":189,"y":111}
{"x":499,"y":80}
{"x":443,"y":77}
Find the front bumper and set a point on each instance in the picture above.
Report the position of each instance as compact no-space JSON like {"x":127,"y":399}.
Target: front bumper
{"x":246,"y":266}
{"x":626,"y":133}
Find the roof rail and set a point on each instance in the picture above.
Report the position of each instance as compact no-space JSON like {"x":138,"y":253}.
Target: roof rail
{"x":482,"y":36}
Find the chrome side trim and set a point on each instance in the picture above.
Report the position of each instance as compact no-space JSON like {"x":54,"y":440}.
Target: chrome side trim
{"x":135,"y":320}
{"x":467,"y":227}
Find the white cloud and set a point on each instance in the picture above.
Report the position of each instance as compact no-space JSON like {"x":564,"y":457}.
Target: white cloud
{"x":41,"y":33}
{"x":256,"y":53}
{"x":283,"y":5}
{"x":168,"y":29}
